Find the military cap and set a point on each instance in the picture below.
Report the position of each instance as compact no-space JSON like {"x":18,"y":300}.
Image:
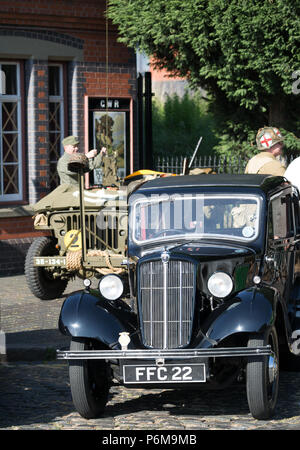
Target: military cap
{"x":70,"y":140}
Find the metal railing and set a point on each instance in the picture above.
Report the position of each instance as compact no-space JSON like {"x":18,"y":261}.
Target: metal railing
{"x":219,"y":164}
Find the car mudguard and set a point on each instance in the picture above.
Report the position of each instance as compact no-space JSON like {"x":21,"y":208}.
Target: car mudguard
{"x":251,"y":311}
{"x":91,"y":316}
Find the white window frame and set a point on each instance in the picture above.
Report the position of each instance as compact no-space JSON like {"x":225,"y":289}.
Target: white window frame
{"x":15,"y":99}
{"x":59,"y":99}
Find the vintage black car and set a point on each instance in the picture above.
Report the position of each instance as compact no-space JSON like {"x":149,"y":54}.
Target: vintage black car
{"x":210,"y":295}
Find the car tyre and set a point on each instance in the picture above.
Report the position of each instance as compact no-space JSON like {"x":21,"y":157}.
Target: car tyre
{"x":39,"y":280}
{"x":262,"y":376}
{"x":89,"y":383}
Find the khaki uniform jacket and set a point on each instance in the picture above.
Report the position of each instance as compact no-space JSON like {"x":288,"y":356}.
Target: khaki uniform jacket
{"x":265,"y":163}
{"x":68,"y":177}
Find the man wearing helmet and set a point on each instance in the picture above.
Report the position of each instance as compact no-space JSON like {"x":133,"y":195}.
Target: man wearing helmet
{"x":270,"y":141}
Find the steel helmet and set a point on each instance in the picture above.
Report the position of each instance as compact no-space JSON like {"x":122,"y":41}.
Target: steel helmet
{"x":267,"y":137}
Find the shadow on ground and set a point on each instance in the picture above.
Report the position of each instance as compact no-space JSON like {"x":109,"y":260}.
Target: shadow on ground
{"x":39,"y":393}
{"x":34,"y":345}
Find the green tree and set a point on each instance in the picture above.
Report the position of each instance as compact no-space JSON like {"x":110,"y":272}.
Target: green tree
{"x":244,"y":53}
{"x":178,"y":124}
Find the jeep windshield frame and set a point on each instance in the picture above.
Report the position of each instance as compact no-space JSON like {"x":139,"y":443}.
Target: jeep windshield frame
{"x":170,"y":217}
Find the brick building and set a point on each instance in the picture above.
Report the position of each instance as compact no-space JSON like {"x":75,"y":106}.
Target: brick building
{"x":61,"y":71}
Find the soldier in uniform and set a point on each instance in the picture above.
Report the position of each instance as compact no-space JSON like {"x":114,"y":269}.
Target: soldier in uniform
{"x":270,"y":142}
{"x":70,"y":144}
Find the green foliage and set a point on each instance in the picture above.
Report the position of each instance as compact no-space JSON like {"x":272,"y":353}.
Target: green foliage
{"x":242,"y":52}
{"x":178,"y":124}
{"x":229,"y":146}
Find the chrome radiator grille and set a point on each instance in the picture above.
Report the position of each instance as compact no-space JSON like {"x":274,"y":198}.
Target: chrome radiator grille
{"x":166,"y":303}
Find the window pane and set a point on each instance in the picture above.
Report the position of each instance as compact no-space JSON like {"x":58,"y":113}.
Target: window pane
{"x":297,"y":213}
{"x":10,"y":75}
{"x":279,"y":218}
{"x":10,"y":133}
{"x":54,"y":80}
{"x":10,"y":176}
{"x":54,"y":146}
{"x":10,"y":147}
{"x":9,"y":116}
{"x":201,"y":215}
{"x":54,"y":179}
{"x":54,"y":116}
{"x":56,"y":125}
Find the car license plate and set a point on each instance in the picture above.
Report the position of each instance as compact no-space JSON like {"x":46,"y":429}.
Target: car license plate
{"x":50,"y":261}
{"x":168,"y":373}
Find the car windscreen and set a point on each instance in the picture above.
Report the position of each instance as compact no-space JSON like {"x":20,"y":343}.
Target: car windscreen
{"x":198,"y":216}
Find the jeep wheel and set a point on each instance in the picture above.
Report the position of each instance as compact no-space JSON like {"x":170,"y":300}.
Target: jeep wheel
{"x":89,"y":383}
{"x":39,"y":280}
{"x":263,"y":377}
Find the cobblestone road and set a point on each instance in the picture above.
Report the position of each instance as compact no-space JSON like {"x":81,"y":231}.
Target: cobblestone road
{"x":36,"y":394}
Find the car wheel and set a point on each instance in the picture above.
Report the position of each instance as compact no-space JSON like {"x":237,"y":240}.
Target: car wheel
{"x":89,"y":383}
{"x":39,"y":280}
{"x":262,"y":376}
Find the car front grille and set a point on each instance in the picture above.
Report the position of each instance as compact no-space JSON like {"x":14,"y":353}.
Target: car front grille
{"x":166,"y":303}
{"x":112,"y":231}
{"x":92,"y":232}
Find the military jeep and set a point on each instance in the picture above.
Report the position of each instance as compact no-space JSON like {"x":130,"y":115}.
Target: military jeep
{"x":72,"y":250}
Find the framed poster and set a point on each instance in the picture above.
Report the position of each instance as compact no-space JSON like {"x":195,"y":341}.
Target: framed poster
{"x":109,"y":131}
{"x":109,"y":127}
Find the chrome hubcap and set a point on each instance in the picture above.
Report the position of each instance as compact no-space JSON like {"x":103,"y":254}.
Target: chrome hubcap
{"x":273,"y":368}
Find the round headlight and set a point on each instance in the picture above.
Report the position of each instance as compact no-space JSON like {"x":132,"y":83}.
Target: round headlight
{"x":220,"y":284}
{"x":111,"y":287}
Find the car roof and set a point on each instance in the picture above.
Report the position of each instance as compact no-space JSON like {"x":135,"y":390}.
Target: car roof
{"x":264,"y":182}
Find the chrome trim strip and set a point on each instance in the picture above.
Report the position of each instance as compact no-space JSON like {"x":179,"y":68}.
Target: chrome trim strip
{"x":165,"y":305}
{"x":151,"y":302}
{"x":180,"y":302}
{"x":176,"y":354}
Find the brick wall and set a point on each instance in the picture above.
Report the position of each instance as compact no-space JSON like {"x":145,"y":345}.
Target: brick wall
{"x":12,"y":256}
{"x":18,"y":227}
{"x":36,"y":134}
{"x":81,"y":20}
{"x":77,"y":26}
{"x":16,"y":235}
{"x":79,"y":29}
{"x":13,"y":227}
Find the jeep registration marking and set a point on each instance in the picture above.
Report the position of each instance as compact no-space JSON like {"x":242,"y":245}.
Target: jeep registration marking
{"x":50,"y":261}
{"x":171,"y":373}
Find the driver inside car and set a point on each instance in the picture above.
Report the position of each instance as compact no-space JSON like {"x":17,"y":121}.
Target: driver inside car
{"x":210,"y":216}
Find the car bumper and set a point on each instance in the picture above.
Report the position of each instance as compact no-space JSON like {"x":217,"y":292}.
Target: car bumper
{"x":166,"y":354}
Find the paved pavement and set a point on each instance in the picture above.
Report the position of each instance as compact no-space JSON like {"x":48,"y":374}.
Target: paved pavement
{"x":35,"y":392}
{"x":30,"y":325}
